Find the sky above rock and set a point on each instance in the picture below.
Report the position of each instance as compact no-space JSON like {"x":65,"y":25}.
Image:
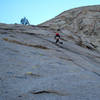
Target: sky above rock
{"x":37,"y":11}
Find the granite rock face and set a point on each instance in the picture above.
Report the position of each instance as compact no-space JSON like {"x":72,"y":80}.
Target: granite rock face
{"x":83,"y":22}
{"x":33,"y":67}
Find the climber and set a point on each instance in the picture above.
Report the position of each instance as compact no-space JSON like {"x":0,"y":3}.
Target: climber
{"x":57,"y":37}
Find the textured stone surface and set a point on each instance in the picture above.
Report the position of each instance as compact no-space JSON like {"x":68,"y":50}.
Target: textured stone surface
{"x":33,"y":67}
{"x":82,"y":22}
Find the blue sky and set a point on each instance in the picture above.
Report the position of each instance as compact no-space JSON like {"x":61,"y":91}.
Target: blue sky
{"x":37,"y":11}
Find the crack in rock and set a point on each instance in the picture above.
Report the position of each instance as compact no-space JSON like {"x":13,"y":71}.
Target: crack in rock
{"x":96,"y":73}
{"x":32,"y":74}
{"x":49,"y":92}
{"x":25,"y":44}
